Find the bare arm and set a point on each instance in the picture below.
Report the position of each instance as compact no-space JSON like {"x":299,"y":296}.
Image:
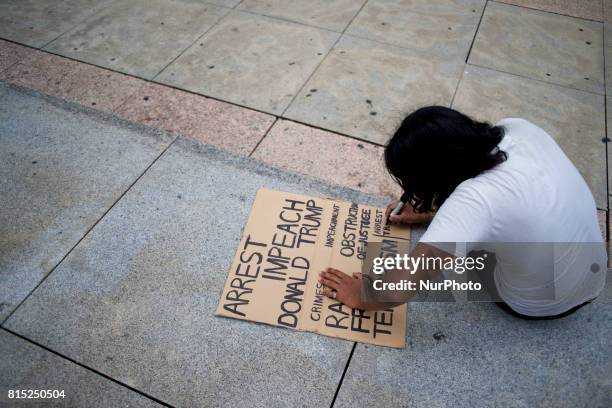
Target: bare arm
{"x":347,"y":288}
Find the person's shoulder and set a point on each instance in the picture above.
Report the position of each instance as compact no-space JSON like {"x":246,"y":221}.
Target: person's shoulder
{"x":525,"y":131}
{"x":514,"y":123}
{"x":520,"y":126}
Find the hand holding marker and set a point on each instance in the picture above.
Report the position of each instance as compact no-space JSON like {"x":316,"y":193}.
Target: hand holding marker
{"x":397,"y":208}
{"x":403,"y":214}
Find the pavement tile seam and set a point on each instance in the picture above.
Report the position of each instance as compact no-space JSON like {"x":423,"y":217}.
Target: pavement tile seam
{"x":48,"y":20}
{"x":92,"y":113}
{"x":85,"y":234}
{"x":227,"y":3}
{"x":288,"y":20}
{"x":127,"y":98}
{"x":132,"y":76}
{"x":341,"y":380}
{"x":343,"y":34}
{"x":203,"y":153}
{"x":120,"y":105}
{"x":607,"y":227}
{"x":206,"y":150}
{"x":358,"y":71}
{"x":276,"y":119}
{"x":77,"y":66}
{"x":151,"y":42}
{"x":608,"y":180}
{"x":467,"y":57}
{"x":104,"y":118}
{"x":282,"y":115}
{"x":89,"y":369}
{"x":77,"y":23}
{"x":605,"y":65}
{"x":248,"y":53}
{"x":208,"y":97}
{"x":259,"y":142}
{"x":389,"y":44}
{"x":468,"y":64}
{"x":192,"y":43}
{"x":552,"y":12}
{"x":606,"y":136}
{"x":334,"y":15}
{"x":282,"y":174}
{"x":224,"y":157}
{"x":335,"y":132}
{"x":214,"y":98}
{"x":361,"y":28}
{"x":458,"y":83}
{"x":42,"y":48}
{"x":374,"y":40}
{"x":220,"y":124}
{"x":85,"y":91}
{"x":25,"y":47}
{"x":331,"y":157}
{"x":496,"y":46}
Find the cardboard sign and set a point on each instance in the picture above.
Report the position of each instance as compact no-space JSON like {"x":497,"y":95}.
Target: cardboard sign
{"x":287,"y":241}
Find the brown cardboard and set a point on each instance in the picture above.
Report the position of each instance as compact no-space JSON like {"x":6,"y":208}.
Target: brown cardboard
{"x":287,"y":241}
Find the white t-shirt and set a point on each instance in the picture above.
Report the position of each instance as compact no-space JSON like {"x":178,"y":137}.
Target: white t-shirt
{"x":535,"y":196}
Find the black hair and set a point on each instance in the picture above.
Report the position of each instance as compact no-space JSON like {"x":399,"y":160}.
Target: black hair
{"x":435,"y":149}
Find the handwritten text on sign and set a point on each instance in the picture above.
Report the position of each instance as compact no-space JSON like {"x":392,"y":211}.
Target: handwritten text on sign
{"x":287,"y":240}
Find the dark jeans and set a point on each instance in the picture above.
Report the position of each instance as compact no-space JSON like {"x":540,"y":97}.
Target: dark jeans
{"x":508,"y":309}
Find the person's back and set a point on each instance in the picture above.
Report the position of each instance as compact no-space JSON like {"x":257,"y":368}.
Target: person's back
{"x":535,"y":196}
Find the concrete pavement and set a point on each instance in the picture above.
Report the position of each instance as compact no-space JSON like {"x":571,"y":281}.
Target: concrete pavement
{"x":117,"y":228}
{"x":133,"y":302}
{"x":135,"y":299}
{"x":352,"y":68}
{"x":59,"y":174}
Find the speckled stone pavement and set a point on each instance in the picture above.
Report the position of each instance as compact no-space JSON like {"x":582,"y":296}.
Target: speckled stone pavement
{"x":122,"y":122}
